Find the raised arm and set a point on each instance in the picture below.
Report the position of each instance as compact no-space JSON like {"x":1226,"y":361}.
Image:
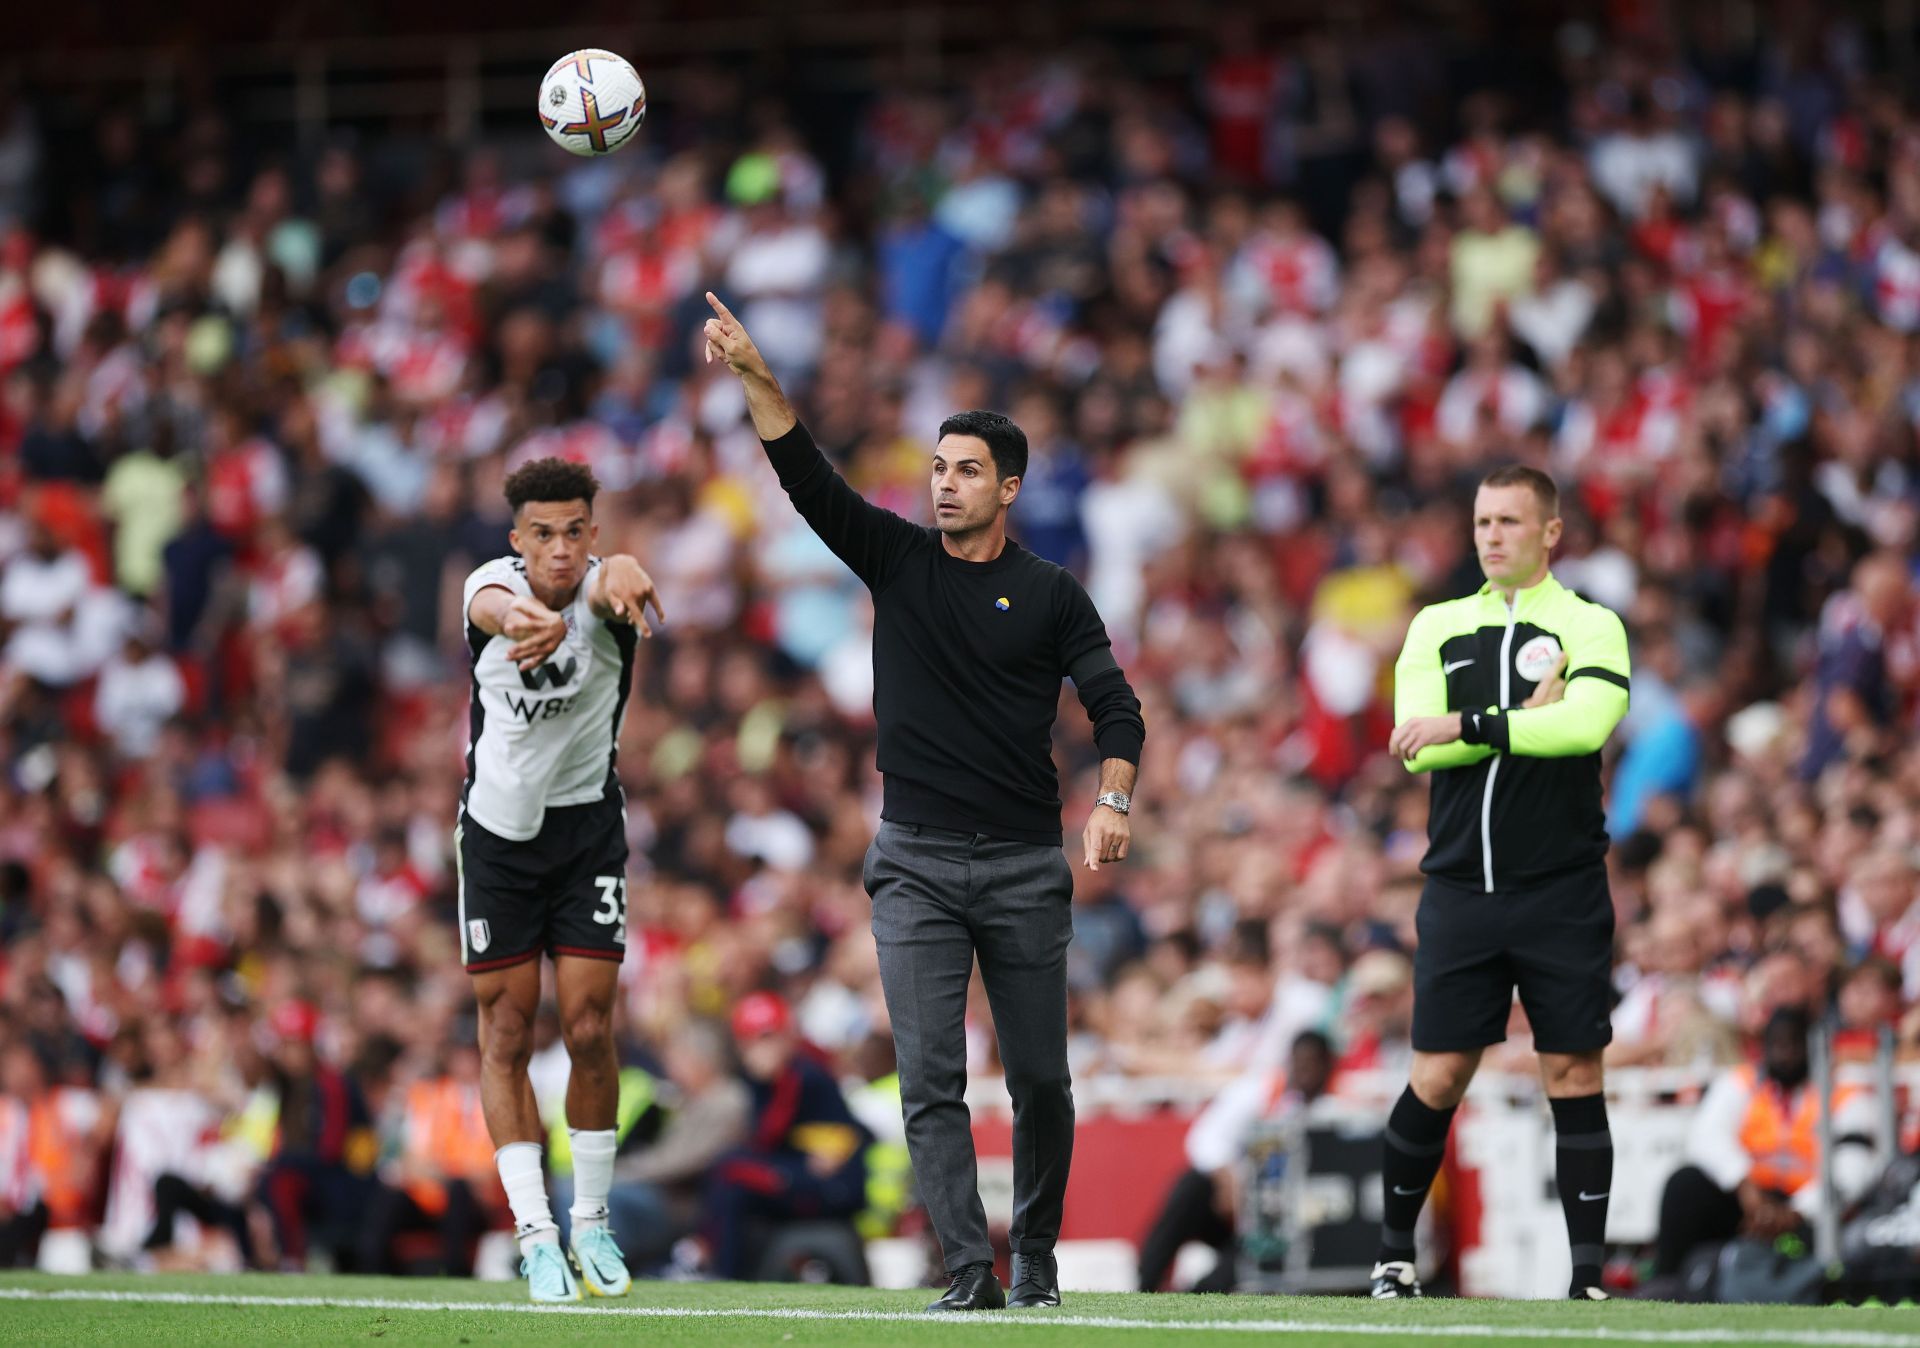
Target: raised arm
{"x":870,"y":540}
{"x":773,"y":416}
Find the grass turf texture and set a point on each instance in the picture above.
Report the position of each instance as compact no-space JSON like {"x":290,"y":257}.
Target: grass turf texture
{"x":36,"y":1308}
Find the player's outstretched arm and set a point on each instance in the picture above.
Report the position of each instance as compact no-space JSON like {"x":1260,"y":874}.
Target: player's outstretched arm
{"x":870,"y":540}
{"x":621,"y":591}
{"x":535,"y":630}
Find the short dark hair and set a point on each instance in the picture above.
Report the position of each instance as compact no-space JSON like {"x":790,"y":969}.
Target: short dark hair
{"x":551,"y":480}
{"x":1314,"y":1040}
{"x":1005,"y":441}
{"x":1520,"y":475}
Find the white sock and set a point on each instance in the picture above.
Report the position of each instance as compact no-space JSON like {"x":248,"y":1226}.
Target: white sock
{"x":526,"y":1187}
{"x":592,"y":1176}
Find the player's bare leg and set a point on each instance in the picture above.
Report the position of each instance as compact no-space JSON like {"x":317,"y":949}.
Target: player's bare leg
{"x":508,"y":1000}
{"x":1415,"y":1143}
{"x":1583,"y":1161}
{"x":587,"y":989}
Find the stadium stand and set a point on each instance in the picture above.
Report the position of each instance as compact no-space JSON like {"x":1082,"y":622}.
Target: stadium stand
{"x":1265,"y":315}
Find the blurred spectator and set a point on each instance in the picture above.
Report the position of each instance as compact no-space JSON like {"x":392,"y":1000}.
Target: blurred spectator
{"x":1375,"y":1024}
{"x":1753,"y":1151}
{"x":656,"y":1195}
{"x":179,"y":1152}
{"x":1868,"y":1005}
{"x":316,"y":1183}
{"x":41,"y":593}
{"x":52,"y":1144}
{"x":1493,"y":262}
{"x":804,"y":1156}
{"x":1863,"y":631}
{"x":1203,"y":1204}
{"x":144,"y":497}
{"x":138,"y":692}
{"x":918,"y":260}
{"x":444,"y":1180}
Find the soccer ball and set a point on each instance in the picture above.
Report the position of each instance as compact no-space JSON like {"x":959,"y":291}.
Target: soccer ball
{"x":591,"y":102}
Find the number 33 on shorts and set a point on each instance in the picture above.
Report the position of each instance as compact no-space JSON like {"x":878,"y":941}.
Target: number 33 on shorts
{"x":613,"y":905}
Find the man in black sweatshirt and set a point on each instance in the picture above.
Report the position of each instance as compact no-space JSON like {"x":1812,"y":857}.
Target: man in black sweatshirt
{"x":972,"y":635}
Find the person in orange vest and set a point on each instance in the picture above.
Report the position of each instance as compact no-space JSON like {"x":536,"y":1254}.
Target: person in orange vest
{"x":444,"y":1179}
{"x":1753,"y":1151}
{"x":55,"y":1139}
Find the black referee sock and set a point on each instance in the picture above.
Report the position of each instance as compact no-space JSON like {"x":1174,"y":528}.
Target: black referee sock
{"x":1416,"y":1141}
{"x":1583,"y":1156}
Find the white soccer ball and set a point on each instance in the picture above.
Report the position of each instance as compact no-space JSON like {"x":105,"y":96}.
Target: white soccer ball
{"x":591,"y":102}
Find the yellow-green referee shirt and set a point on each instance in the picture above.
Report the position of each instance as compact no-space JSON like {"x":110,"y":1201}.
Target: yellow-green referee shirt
{"x":1517,"y":798}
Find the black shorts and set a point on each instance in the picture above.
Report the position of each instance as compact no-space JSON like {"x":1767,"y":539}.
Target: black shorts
{"x":562,"y":891}
{"x":1553,"y":940}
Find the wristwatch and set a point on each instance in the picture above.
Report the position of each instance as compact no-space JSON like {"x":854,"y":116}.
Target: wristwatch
{"x":1117,"y":801}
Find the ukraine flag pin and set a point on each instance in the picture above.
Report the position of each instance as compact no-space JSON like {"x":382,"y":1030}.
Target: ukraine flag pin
{"x":1002,"y":604}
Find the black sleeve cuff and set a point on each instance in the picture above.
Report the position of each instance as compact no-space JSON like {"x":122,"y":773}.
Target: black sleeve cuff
{"x":1484,"y":727}
{"x":1121,"y":741}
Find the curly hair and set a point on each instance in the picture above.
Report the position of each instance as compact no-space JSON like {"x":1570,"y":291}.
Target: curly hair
{"x":551,"y":480}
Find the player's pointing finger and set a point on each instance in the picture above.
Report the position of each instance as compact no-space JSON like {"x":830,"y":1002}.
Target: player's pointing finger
{"x":718,"y":307}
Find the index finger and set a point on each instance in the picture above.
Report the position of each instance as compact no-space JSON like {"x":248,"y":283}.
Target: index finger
{"x":718,"y":307}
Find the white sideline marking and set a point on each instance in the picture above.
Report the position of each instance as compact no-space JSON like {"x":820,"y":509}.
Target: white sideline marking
{"x":1814,"y":1338}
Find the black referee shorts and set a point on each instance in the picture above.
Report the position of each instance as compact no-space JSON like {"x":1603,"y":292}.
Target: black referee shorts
{"x":562,"y":891}
{"x":1552,"y":940}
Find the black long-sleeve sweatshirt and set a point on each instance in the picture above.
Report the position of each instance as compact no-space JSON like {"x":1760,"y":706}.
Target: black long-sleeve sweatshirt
{"x":967,"y":662}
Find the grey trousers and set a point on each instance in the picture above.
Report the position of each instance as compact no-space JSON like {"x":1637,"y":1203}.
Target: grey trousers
{"x":939,"y":899}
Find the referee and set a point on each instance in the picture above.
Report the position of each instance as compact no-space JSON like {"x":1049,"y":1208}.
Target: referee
{"x":1506,"y":697}
{"x":972,"y":636}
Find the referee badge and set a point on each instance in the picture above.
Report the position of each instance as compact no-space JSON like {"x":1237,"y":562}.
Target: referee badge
{"x":1002,"y":603}
{"x":479,"y":936}
{"x":1537,"y":658}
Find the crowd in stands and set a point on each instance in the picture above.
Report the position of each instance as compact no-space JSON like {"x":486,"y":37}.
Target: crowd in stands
{"x":1263,"y":329}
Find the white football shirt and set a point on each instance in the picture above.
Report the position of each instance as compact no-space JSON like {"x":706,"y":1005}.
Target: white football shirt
{"x":545,"y":736}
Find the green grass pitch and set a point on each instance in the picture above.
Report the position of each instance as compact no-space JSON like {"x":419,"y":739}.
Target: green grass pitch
{"x":261,"y":1310}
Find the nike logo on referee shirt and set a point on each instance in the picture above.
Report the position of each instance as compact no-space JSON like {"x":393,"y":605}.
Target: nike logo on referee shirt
{"x":1586,"y":1197}
{"x":1452,"y":665}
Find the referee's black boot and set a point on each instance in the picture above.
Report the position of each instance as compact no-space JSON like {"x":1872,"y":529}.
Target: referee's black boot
{"x":1036,"y":1281}
{"x":974,"y":1288}
{"x":1395,"y":1279}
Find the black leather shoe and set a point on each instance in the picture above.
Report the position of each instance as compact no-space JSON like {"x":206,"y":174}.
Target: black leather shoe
{"x":1036,"y":1281}
{"x":974,"y":1288}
